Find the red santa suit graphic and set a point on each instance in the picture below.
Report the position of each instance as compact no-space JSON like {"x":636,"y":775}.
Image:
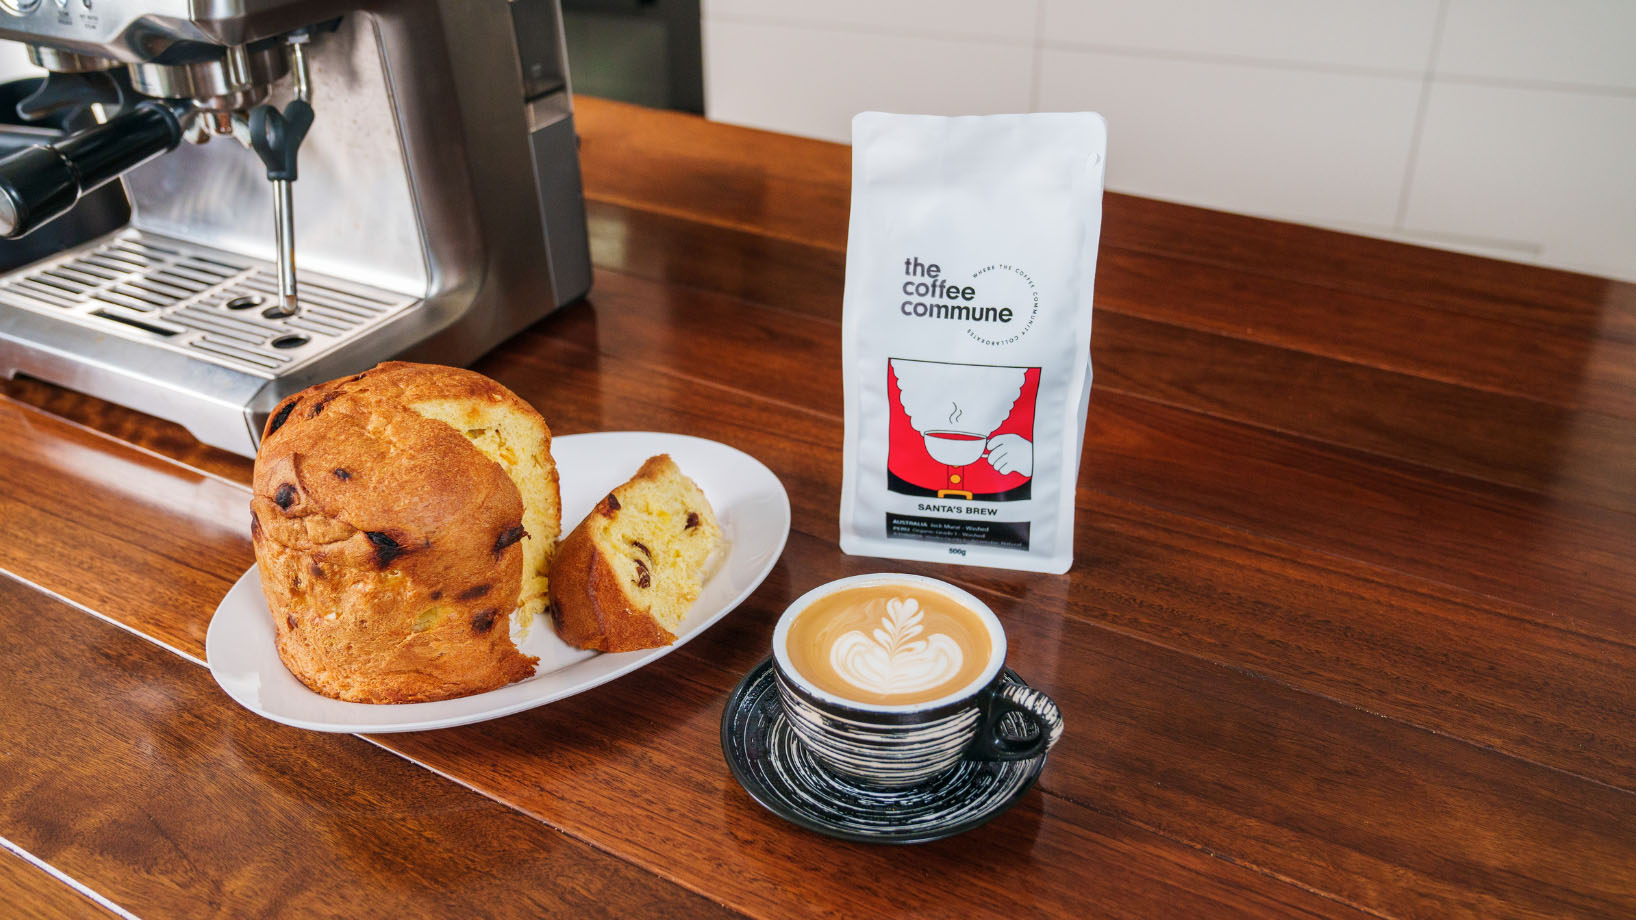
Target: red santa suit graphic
{"x":961,"y":431}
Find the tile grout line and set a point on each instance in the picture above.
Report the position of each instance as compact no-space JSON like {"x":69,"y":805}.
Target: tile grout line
{"x":1038,"y":41}
{"x":1427,"y":79}
{"x":65,"y":878}
{"x":1520,"y":248}
{"x":1539,"y":85}
{"x":1200,"y":57}
{"x":852,"y":28}
{"x":1234,"y":60}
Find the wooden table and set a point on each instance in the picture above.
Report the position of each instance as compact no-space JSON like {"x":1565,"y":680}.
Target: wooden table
{"x":1349,"y":631}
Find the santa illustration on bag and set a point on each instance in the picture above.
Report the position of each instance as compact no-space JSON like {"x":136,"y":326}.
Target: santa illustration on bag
{"x":961,"y":431}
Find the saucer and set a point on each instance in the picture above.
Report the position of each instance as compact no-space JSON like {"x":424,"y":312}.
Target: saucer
{"x":779,"y":772}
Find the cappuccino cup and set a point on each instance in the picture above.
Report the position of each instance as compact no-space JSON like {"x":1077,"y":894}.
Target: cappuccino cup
{"x":891,"y":680}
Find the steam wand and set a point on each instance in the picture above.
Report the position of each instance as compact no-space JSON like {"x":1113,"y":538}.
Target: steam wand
{"x":276,"y":137}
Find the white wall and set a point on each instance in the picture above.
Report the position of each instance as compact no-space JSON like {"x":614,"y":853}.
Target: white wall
{"x":1502,"y":127}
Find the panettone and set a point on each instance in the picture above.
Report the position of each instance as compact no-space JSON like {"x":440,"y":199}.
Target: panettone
{"x":400,"y":518}
{"x":626,"y":576}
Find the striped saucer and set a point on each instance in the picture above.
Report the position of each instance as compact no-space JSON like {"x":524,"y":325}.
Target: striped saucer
{"x":777,"y":770}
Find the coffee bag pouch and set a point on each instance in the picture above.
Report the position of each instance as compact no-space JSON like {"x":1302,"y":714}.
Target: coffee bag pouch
{"x":966,"y":335}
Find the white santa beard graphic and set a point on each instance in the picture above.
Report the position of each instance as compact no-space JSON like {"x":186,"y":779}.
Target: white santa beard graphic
{"x":892,"y":659}
{"x":965,"y":398}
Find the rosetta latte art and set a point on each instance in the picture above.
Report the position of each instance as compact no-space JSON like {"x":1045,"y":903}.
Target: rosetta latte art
{"x":892,"y":658}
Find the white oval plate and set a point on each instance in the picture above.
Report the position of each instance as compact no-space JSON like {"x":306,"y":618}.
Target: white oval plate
{"x":749,"y":501}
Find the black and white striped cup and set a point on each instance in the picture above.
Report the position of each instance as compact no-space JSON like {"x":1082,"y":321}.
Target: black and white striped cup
{"x":990,"y":718}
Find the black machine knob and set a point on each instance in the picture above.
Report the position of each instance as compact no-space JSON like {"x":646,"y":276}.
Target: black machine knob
{"x":276,"y":136}
{"x":67,"y":98}
{"x":39,"y":183}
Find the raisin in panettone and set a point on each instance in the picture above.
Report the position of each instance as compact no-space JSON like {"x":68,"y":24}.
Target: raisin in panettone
{"x":626,"y":576}
{"x":401,"y":518}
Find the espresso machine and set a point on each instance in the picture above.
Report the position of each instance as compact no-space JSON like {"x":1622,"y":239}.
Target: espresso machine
{"x":314,"y":186}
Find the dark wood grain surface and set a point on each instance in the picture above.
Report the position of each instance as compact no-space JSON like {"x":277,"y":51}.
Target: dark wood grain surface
{"x":27,"y":890}
{"x":1349,"y":630}
{"x":154,"y":789}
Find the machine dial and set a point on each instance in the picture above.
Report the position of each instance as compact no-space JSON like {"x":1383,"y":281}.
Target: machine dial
{"x":20,"y":7}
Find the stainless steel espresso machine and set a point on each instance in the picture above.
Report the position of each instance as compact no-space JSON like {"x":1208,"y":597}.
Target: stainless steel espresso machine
{"x":418,"y":156}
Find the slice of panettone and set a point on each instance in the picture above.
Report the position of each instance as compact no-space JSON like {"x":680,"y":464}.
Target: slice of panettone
{"x":627,"y":575}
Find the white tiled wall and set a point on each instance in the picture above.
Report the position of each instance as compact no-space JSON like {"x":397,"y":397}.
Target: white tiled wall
{"x":1550,"y":168}
{"x":1503,"y":127}
{"x":1591,"y":43}
{"x":1326,"y":33}
{"x":1240,"y":137}
{"x":906,"y":73}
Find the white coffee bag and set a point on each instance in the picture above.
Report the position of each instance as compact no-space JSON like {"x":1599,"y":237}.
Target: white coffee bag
{"x":966,"y":335}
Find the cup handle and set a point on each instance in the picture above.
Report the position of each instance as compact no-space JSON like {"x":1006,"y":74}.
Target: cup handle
{"x":1004,"y":700}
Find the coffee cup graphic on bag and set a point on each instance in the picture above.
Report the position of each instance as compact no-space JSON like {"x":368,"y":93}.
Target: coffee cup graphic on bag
{"x":961,"y":431}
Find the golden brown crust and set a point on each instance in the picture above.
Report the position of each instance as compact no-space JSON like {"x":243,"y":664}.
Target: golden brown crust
{"x":655,"y":468}
{"x":388,"y":543}
{"x":588,"y":603}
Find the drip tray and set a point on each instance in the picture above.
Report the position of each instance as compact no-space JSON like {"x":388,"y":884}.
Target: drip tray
{"x":203,"y":302}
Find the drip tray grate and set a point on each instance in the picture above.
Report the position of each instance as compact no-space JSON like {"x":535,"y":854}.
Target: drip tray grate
{"x":201,"y":301}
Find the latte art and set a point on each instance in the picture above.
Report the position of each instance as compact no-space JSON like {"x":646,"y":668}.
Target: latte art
{"x":888,"y":644}
{"x":892,"y":658}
